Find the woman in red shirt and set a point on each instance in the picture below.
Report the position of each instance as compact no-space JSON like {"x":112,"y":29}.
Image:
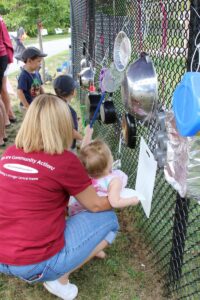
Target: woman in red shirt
{"x":37,"y":176}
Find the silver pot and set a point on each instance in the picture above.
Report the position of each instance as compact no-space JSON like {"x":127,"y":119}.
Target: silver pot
{"x":140,"y":88}
{"x":86,"y":77}
{"x":83,"y":63}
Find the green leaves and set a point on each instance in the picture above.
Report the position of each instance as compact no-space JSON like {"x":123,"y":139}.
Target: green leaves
{"x":52,"y":13}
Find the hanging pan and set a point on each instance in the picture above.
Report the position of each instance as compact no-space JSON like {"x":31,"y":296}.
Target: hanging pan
{"x":122,"y":51}
{"x":140,"y":88}
{"x":87,"y":76}
{"x":110,"y":79}
{"x":129,"y":130}
{"x":107,"y":111}
{"x":91,"y":104}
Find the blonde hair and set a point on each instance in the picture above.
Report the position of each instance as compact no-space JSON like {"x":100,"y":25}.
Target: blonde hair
{"x":96,"y":158}
{"x":47,"y":126}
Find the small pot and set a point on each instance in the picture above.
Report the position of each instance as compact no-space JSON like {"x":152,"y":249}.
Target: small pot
{"x":86,"y":77}
{"x":129,"y":130}
{"x":83,"y":63}
{"x":107,"y":112}
{"x":92,"y":102}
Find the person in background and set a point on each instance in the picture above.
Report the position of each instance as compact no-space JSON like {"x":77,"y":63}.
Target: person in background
{"x":6,"y":57}
{"x":3,"y":137}
{"x":65,"y":88}
{"x":19,"y":46}
{"x":37,"y":176}
{"x":29,"y":81}
{"x":6,"y":98}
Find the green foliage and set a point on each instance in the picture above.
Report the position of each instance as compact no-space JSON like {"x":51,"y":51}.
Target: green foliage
{"x":26,"y":13}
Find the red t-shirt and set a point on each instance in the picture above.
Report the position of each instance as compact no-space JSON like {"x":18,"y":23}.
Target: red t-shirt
{"x":34,"y":193}
{"x":6,"y":47}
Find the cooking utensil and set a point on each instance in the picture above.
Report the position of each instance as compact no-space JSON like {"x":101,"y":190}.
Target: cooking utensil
{"x":186,"y":104}
{"x":87,"y":76}
{"x":83,"y":63}
{"x":140,"y":88}
{"x":111,"y":79}
{"x":107,"y":111}
{"x":129,"y":130}
{"x":96,"y":113}
{"x":122,"y":51}
{"x":91,"y":104}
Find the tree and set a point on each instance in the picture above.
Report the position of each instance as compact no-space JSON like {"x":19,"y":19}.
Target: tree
{"x":53,"y":13}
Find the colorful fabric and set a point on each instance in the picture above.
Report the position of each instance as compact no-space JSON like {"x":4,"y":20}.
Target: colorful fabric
{"x":101,"y":186}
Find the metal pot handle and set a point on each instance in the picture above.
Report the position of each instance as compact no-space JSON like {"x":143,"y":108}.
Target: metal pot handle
{"x":145,"y":56}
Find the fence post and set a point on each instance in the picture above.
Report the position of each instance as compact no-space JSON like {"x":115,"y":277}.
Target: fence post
{"x":91,"y":18}
{"x":178,"y":240}
{"x":182,"y":204}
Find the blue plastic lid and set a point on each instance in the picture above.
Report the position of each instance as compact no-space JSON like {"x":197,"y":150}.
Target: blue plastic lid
{"x":186,"y":104}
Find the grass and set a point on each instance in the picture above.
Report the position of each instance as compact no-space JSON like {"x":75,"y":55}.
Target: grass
{"x":126,"y":272}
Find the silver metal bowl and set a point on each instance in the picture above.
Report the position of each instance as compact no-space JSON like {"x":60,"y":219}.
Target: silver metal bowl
{"x":86,"y":77}
{"x":122,"y":51}
{"x":83,"y":63}
{"x":140,"y":88}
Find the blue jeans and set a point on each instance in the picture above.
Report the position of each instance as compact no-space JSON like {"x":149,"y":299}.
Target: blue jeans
{"x":83,"y":233}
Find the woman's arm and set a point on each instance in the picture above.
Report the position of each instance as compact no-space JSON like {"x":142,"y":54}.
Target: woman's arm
{"x":114,"y":198}
{"x":91,"y":201}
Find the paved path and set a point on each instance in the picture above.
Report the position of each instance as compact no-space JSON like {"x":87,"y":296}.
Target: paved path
{"x":50,"y":47}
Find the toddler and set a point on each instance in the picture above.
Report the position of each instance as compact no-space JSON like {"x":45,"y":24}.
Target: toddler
{"x":97,"y":159}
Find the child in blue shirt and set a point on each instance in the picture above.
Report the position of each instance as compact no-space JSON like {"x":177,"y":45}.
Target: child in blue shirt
{"x":30,"y":82}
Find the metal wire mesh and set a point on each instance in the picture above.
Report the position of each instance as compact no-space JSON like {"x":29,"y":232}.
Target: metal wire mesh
{"x":166,"y":30}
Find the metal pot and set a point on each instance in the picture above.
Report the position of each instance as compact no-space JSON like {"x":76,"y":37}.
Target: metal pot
{"x":92,"y":103}
{"x":86,"y":77}
{"x":140,"y":88}
{"x":129,"y":130}
{"x":83,"y":63}
{"x":107,"y":112}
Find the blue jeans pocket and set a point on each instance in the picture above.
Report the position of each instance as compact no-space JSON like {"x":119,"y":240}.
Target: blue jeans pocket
{"x":30,"y":273}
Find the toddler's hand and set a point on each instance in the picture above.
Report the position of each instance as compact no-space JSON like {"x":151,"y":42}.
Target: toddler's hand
{"x":89,"y":131}
{"x":88,"y":136}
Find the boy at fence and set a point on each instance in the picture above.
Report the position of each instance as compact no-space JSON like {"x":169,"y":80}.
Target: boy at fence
{"x":30,"y":82}
{"x":65,"y":88}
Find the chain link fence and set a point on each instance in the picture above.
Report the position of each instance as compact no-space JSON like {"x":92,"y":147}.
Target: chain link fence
{"x":166,"y":30}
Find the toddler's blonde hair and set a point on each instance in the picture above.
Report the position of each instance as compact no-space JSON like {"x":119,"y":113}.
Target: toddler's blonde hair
{"x":96,"y":158}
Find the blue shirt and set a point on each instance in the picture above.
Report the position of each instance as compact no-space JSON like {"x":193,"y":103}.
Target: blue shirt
{"x":30,"y":84}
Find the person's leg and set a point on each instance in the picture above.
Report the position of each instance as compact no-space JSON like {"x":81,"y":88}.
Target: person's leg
{"x":5,"y":116}
{"x":86,"y":235}
{"x":102,"y":245}
{"x":2,"y":123}
{"x":2,"y":128}
{"x":6,"y":99}
{"x":3,"y":66}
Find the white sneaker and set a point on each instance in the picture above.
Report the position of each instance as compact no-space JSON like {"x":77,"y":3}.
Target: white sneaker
{"x":64,"y":291}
